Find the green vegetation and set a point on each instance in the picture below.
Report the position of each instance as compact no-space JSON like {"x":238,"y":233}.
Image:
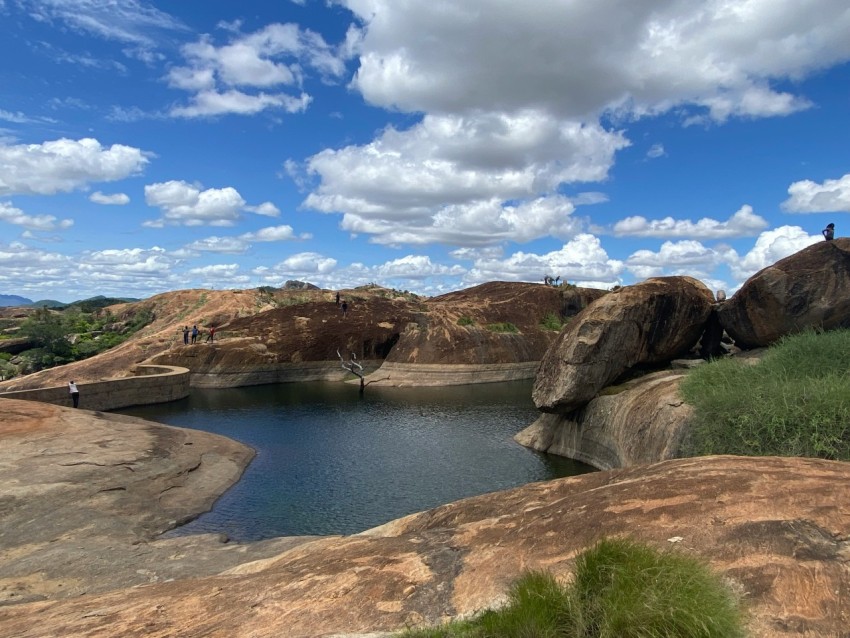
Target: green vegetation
{"x":552,"y":321}
{"x":466,"y":321}
{"x":506,"y":327}
{"x":622,"y":589}
{"x":60,"y":337}
{"x":794,"y":402}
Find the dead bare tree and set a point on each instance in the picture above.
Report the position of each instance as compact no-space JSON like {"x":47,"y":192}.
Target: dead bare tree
{"x":354,"y":367}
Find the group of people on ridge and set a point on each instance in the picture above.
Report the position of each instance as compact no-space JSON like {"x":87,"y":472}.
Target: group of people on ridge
{"x":195,"y":332}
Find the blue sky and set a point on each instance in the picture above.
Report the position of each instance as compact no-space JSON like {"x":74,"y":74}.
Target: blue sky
{"x":425,"y":146}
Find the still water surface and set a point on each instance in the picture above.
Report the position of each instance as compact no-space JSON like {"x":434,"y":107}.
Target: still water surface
{"x":330,"y":462}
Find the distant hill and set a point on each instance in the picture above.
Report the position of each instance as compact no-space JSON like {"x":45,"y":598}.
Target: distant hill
{"x":14,"y":300}
{"x":49,"y":303}
{"x":95,"y":303}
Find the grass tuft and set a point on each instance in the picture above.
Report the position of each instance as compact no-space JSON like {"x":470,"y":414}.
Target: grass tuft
{"x":505,"y":327}
{"x":622,"y":589}
{"x":552,"y":322}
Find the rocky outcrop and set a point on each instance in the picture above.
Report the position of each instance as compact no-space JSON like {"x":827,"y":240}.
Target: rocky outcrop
{"x":641,"y":421}
{"x":809,"y":289}
{"x":775,"y":528}
{"x":649,"y":323}
{"x":84,"y":496}
{"x":497,"y":331}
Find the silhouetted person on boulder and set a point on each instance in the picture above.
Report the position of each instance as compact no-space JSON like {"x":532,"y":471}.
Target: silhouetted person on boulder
{"x":344,"y":308}
{"x":829,"y":232}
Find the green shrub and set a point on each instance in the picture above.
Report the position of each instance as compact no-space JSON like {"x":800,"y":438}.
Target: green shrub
{"x":466,"y":321}
{"x":552,"y":322}
{"x":622,"y":589}
{"x":794,"y":402}
{"x":502,"y":327}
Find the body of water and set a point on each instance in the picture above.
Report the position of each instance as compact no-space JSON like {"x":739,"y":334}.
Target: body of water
{"x":331,"y":462}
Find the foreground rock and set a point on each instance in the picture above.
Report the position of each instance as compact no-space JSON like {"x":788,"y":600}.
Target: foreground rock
{"x":83,"y":496}
{"x":649,"y":323}
{"x":776,"y":528}
{"x":809,"y":289}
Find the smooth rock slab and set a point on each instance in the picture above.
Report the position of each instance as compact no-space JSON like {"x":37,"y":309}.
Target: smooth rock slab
{"x":84,"y":496}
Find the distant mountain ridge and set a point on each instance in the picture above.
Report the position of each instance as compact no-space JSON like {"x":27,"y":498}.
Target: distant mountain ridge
{"x":14,"y":300}
{"x":89,"y":304}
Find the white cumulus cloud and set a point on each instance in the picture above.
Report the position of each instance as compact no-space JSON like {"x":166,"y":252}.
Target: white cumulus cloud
{"x":806,"y":196}
{"x":65,"y":165}
{"x":116,"y":199}
{"x":743,"y":223}
{"x":12,"y":215}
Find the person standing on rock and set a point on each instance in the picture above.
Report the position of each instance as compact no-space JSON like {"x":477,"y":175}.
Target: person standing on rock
{"x":829,"y":232}
{"x":211,"y":336}
{"x":185,"y":335}
{"x":194,"y":333}
{"x":75,"y":393}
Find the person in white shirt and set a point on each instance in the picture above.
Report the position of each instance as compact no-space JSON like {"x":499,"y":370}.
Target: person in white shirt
{"x":75,"y":394}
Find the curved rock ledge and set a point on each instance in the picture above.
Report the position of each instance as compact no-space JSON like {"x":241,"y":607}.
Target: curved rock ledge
{"x":235,"y":377}
{"x":641,"y":421}
{"x":152,"y":384}
{"x":438,"y":374}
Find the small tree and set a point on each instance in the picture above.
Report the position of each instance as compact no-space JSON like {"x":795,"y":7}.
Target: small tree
{"x":47,"y":331}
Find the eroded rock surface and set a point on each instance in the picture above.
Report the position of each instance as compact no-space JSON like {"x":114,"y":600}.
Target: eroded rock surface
{"x":639,"y":422}
{"x":651,"y":322}
{"x":809,"y":289}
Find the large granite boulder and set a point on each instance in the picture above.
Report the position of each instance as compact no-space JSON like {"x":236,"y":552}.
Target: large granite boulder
{"x":649,"y":323}
{"x":809,"y":289}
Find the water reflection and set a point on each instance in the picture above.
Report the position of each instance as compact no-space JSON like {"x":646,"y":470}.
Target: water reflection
{"x":331,"y":462}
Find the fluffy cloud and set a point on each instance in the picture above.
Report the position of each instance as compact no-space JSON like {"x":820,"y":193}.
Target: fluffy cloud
{"x":117,"y":199}
{"x":810,"y":197}
{"x":463,"y":180}
{"x":643,"y":57}
{"x":12,"y":215}
{"x":414,"y":267}
{"x":582,"y":260}
{"x":743,"y":223}
{"x":688,"y":257}
{"x":64,"y":165}
{"x":242,"y":243}
{"x":312,"y":266}
{"x":236,"y":77}
{"x":188,"y":205}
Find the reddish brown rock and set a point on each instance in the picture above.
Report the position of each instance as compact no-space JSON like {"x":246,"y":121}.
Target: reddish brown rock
{"x":809,"y":289}
{"x":776,"y":528}
{"x":649,"y":323}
